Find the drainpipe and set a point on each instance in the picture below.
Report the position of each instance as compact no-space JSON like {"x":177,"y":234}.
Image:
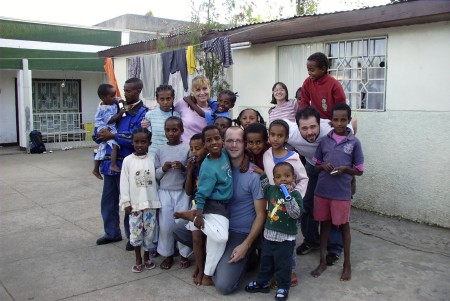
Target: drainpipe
{"x":25,"y":104}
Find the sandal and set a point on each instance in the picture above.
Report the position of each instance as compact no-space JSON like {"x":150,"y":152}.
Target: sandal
{"x":166,"y":263}
{"x":149,"y":264}
{"x":281,"y":294}
{"x":137,"y":268}
{"x":255,"y":287}
{"x":184,"y":263}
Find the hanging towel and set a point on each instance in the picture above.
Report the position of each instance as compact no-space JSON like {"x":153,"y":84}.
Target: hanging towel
{"x":109,"y":69}
{"x":174,"y":61}
{"x":221,"y":47}
{"x":134,"y":67}
{"x":190,"y":59}
{"x":151,"y":74}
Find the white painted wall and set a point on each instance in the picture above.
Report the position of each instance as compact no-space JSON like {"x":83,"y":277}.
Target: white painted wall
{"x":8,"y":132}
{"x":406,"y":148}
{"x":418,"y":68}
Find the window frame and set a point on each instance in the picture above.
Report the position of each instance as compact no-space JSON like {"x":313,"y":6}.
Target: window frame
{"x":357,"y":73}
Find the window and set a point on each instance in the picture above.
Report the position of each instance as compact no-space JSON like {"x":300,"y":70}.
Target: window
{"x":292,"y":64}
{"x":360,"y":66}
{"x":56,"y":106}
{"x":56,"y":96}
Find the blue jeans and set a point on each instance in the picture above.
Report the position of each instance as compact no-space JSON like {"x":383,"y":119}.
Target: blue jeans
{"x":110,"y":208}
{"x":228,"y":276}
{"x":276,"y":259}
{"x":310,"y":227}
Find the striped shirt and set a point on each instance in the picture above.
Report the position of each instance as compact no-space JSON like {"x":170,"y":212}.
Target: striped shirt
{"x":286,"y":110}
{"x":157,"y":117}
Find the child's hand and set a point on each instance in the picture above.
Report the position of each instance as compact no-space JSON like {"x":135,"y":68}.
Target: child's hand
{"x":167,"y":166}
{"x":190,"y":164}
{"x":145,"y":123}
{"x":178,"y":165}
{"x":289,"y":187}
{"x":198,"y":221}
{"x":128,"y":210}
{"x":244,"y":164}
{"x":328,"y":167}
{"x":338,"y":171}
{"x":258,"y":170}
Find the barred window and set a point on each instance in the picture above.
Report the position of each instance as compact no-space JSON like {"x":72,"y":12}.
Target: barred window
{"x":360,"y":66}
{"x":56,"y":95}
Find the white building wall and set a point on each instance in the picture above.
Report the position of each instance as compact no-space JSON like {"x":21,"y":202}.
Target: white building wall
{"x":406,"y":148}
{"x":418,"y":68}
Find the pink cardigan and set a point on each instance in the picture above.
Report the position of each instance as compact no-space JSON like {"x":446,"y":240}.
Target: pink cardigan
{"x":300,"y":171}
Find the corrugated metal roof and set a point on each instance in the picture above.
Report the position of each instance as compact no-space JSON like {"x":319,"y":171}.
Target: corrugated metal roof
{"x":383,"y":16}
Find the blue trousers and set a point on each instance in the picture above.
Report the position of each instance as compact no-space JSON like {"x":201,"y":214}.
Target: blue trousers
{"x":310,"y":227}
{"x":228,"y":276}
{"x":110,"y":208}
{"x":276,"y":259}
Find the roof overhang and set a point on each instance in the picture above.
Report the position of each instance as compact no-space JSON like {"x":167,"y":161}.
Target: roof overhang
{"x":391,"y":15}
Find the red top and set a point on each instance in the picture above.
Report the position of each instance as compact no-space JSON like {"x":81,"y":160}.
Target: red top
{"x":322,"y":94}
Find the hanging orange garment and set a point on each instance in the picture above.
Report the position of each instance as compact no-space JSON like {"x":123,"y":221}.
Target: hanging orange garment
{"x":190,"y":59}
{"x":109,"y":69}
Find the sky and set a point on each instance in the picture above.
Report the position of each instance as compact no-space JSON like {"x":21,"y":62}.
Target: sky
{"x":91,"y":12}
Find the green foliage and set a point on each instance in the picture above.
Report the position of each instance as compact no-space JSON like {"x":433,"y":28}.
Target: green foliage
{"x":306,"y":7}
{"x":204,"y":18}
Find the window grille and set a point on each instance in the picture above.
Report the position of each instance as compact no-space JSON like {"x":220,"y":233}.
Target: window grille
{"x":360,"y":66}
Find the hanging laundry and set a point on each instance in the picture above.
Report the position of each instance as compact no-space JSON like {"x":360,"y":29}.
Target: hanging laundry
{"x":151,"y":74}
{"x":109,"y":70}
{"x":190,"y":59}
{"x":221,"y":47}
{"x":174,"y":61}
{"x":134,"y":67}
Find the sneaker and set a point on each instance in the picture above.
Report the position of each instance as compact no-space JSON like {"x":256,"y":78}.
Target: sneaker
{"x":332,"y":258}
{"x":305,"y":248}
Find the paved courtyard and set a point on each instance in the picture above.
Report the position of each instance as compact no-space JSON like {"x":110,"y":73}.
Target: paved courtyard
{"x":50,"y":220}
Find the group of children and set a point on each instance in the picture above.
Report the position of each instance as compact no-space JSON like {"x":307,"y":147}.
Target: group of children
{"x":154,"y":191}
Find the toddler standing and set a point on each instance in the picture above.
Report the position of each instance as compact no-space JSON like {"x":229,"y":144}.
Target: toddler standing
{"x":280,"y":230}
{"x":139,"y":197}
{"x":170,"y":163}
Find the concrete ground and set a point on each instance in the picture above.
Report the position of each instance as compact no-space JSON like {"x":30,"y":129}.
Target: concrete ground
{"x":50,"y":220}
